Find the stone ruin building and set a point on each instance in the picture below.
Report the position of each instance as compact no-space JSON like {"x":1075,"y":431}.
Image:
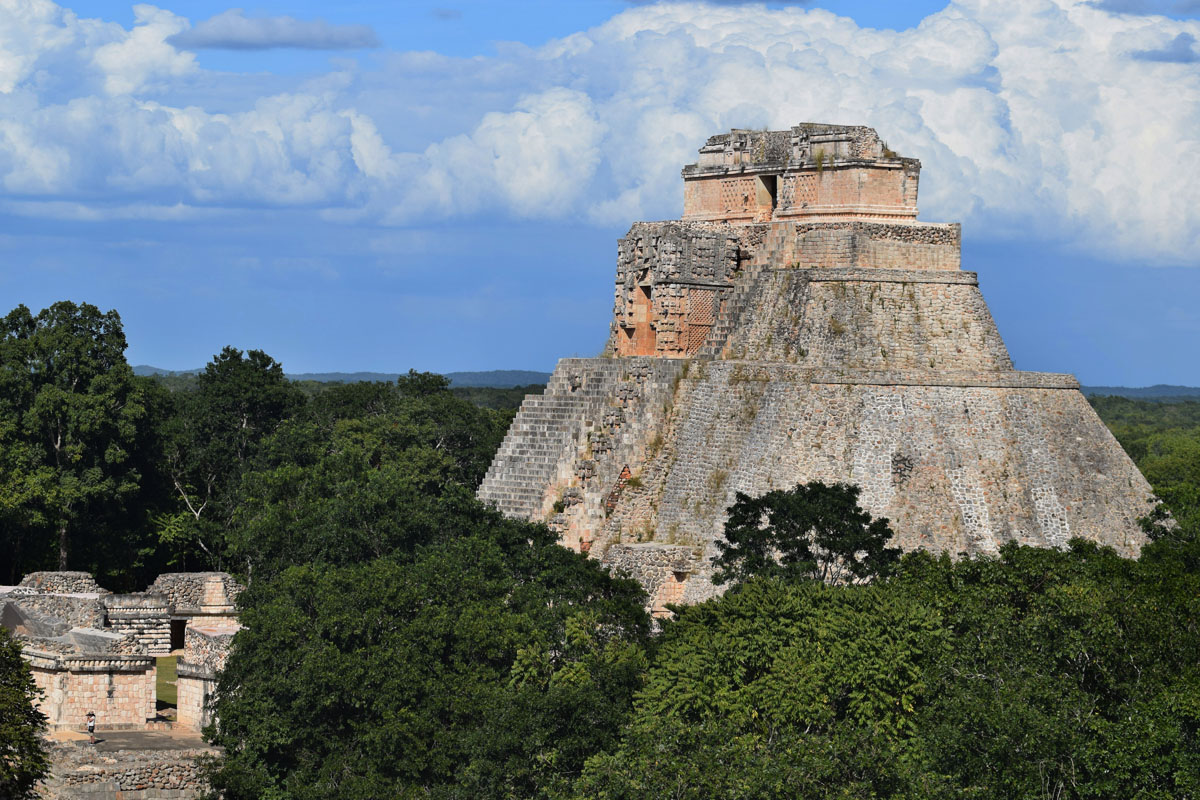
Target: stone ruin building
{"x":800,"y":324}
{"x":90,"y":649}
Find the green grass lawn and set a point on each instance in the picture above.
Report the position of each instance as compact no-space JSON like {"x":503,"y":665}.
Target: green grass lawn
{"x":166,"y":680}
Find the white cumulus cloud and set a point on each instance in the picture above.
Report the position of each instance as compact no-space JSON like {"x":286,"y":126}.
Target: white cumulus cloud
{"x":143,"y":56}
{"x":1044,"y":118}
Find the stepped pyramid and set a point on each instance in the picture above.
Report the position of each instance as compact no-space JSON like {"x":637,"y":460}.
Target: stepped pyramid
{"x":800,"y":324}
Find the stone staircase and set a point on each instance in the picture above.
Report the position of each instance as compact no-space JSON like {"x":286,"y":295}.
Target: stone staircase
{"x":777,"y":250}
{"x":549,"y":429}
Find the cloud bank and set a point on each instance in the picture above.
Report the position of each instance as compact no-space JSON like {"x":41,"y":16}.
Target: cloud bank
{"x":232,"y":30}
{"x":1034,"y":118}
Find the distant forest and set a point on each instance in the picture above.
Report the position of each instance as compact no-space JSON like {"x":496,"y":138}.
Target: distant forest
{"x":499,"y":378}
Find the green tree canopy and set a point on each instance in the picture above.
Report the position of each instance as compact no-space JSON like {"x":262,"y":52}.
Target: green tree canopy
{"x":72,"y":420}
{"x":23,"y":757}
{"x":212,"y":438}
{"x":778,"y":690}
{"x":811,"y":532}
{"x":1074,"y":674}
{"x":1035,"y":673}
{"x":488,"y":663}
{"x":366,"y":470}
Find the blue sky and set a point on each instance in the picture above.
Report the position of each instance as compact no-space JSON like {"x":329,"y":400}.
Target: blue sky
{"x":379,"y":185}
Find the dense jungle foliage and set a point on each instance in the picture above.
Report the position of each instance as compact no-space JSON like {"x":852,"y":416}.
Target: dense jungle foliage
{"x":402,"y":640}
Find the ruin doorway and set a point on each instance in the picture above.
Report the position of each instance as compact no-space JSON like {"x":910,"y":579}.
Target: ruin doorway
{"x":764,"y":197}
{"x":643,"y":337}
{"x":178,"y":629}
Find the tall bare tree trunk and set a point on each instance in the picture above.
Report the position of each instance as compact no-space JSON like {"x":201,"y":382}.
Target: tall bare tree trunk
{"x":62,"y":546}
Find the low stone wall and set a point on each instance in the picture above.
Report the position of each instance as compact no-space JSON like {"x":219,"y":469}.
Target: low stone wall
{"x":82,"y":773}
{"x":75,"y":610}
{"x":145,"y":617}
{"x":197,"y":593}
{"x":120,"y":689}
{"x":63,"y":582}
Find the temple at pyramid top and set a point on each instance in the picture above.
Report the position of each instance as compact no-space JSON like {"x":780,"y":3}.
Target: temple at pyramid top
{"x":811,"y":172}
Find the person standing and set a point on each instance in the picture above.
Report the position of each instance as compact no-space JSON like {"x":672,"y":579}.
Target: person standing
{"x":91,"y":726}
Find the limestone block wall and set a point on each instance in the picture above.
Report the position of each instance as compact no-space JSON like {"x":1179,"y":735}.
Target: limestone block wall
{"x":205,"y":651}
{"x":662,"y":570}
{"x":844,"y":189}
{"x":869,"y":319}
{"x":145,"y":617}
{"x":63,"y":582}
{"x":722,"y":198}
{"x":76,"y":610}
{"x":83,"y":773}
{"x":195,"y":687}
{"x":208,"y":645}
{"x":849,"y":189}
{"x":813,"y":170}
{"x":868,"y":245}
{"x":189,"y":593}
{"x":958,"y":468}
{"x":119,"y":689}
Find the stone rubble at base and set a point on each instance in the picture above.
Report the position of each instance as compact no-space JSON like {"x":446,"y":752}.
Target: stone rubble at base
{"x":800,"y":324}
{"x":82,"y":773}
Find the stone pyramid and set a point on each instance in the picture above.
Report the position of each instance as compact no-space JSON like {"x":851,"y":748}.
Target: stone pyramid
{"x":800,"y":324}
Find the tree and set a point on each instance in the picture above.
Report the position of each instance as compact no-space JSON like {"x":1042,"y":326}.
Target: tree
{"x":365,"y":471}
{"x":1074,"y":674}
{"x":238,"y":402}
{"x":811,"y":532}
{"x":23,"y":757}
{"x":778,"y":690}
{"x":71,"y":416}
{"x":1034,"y":673}
{"x":403,"y":639}
{"x":488,"y":663}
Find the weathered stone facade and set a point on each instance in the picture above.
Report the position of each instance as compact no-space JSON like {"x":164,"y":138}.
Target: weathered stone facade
{"x":77,"y":610}
{"x":120,"y":689}
{"x":196,"y":594}
{"x":833,"y":341}
{"x":146,"y":617}
{"x":813,"y":172}
{"x":206,"y":648}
